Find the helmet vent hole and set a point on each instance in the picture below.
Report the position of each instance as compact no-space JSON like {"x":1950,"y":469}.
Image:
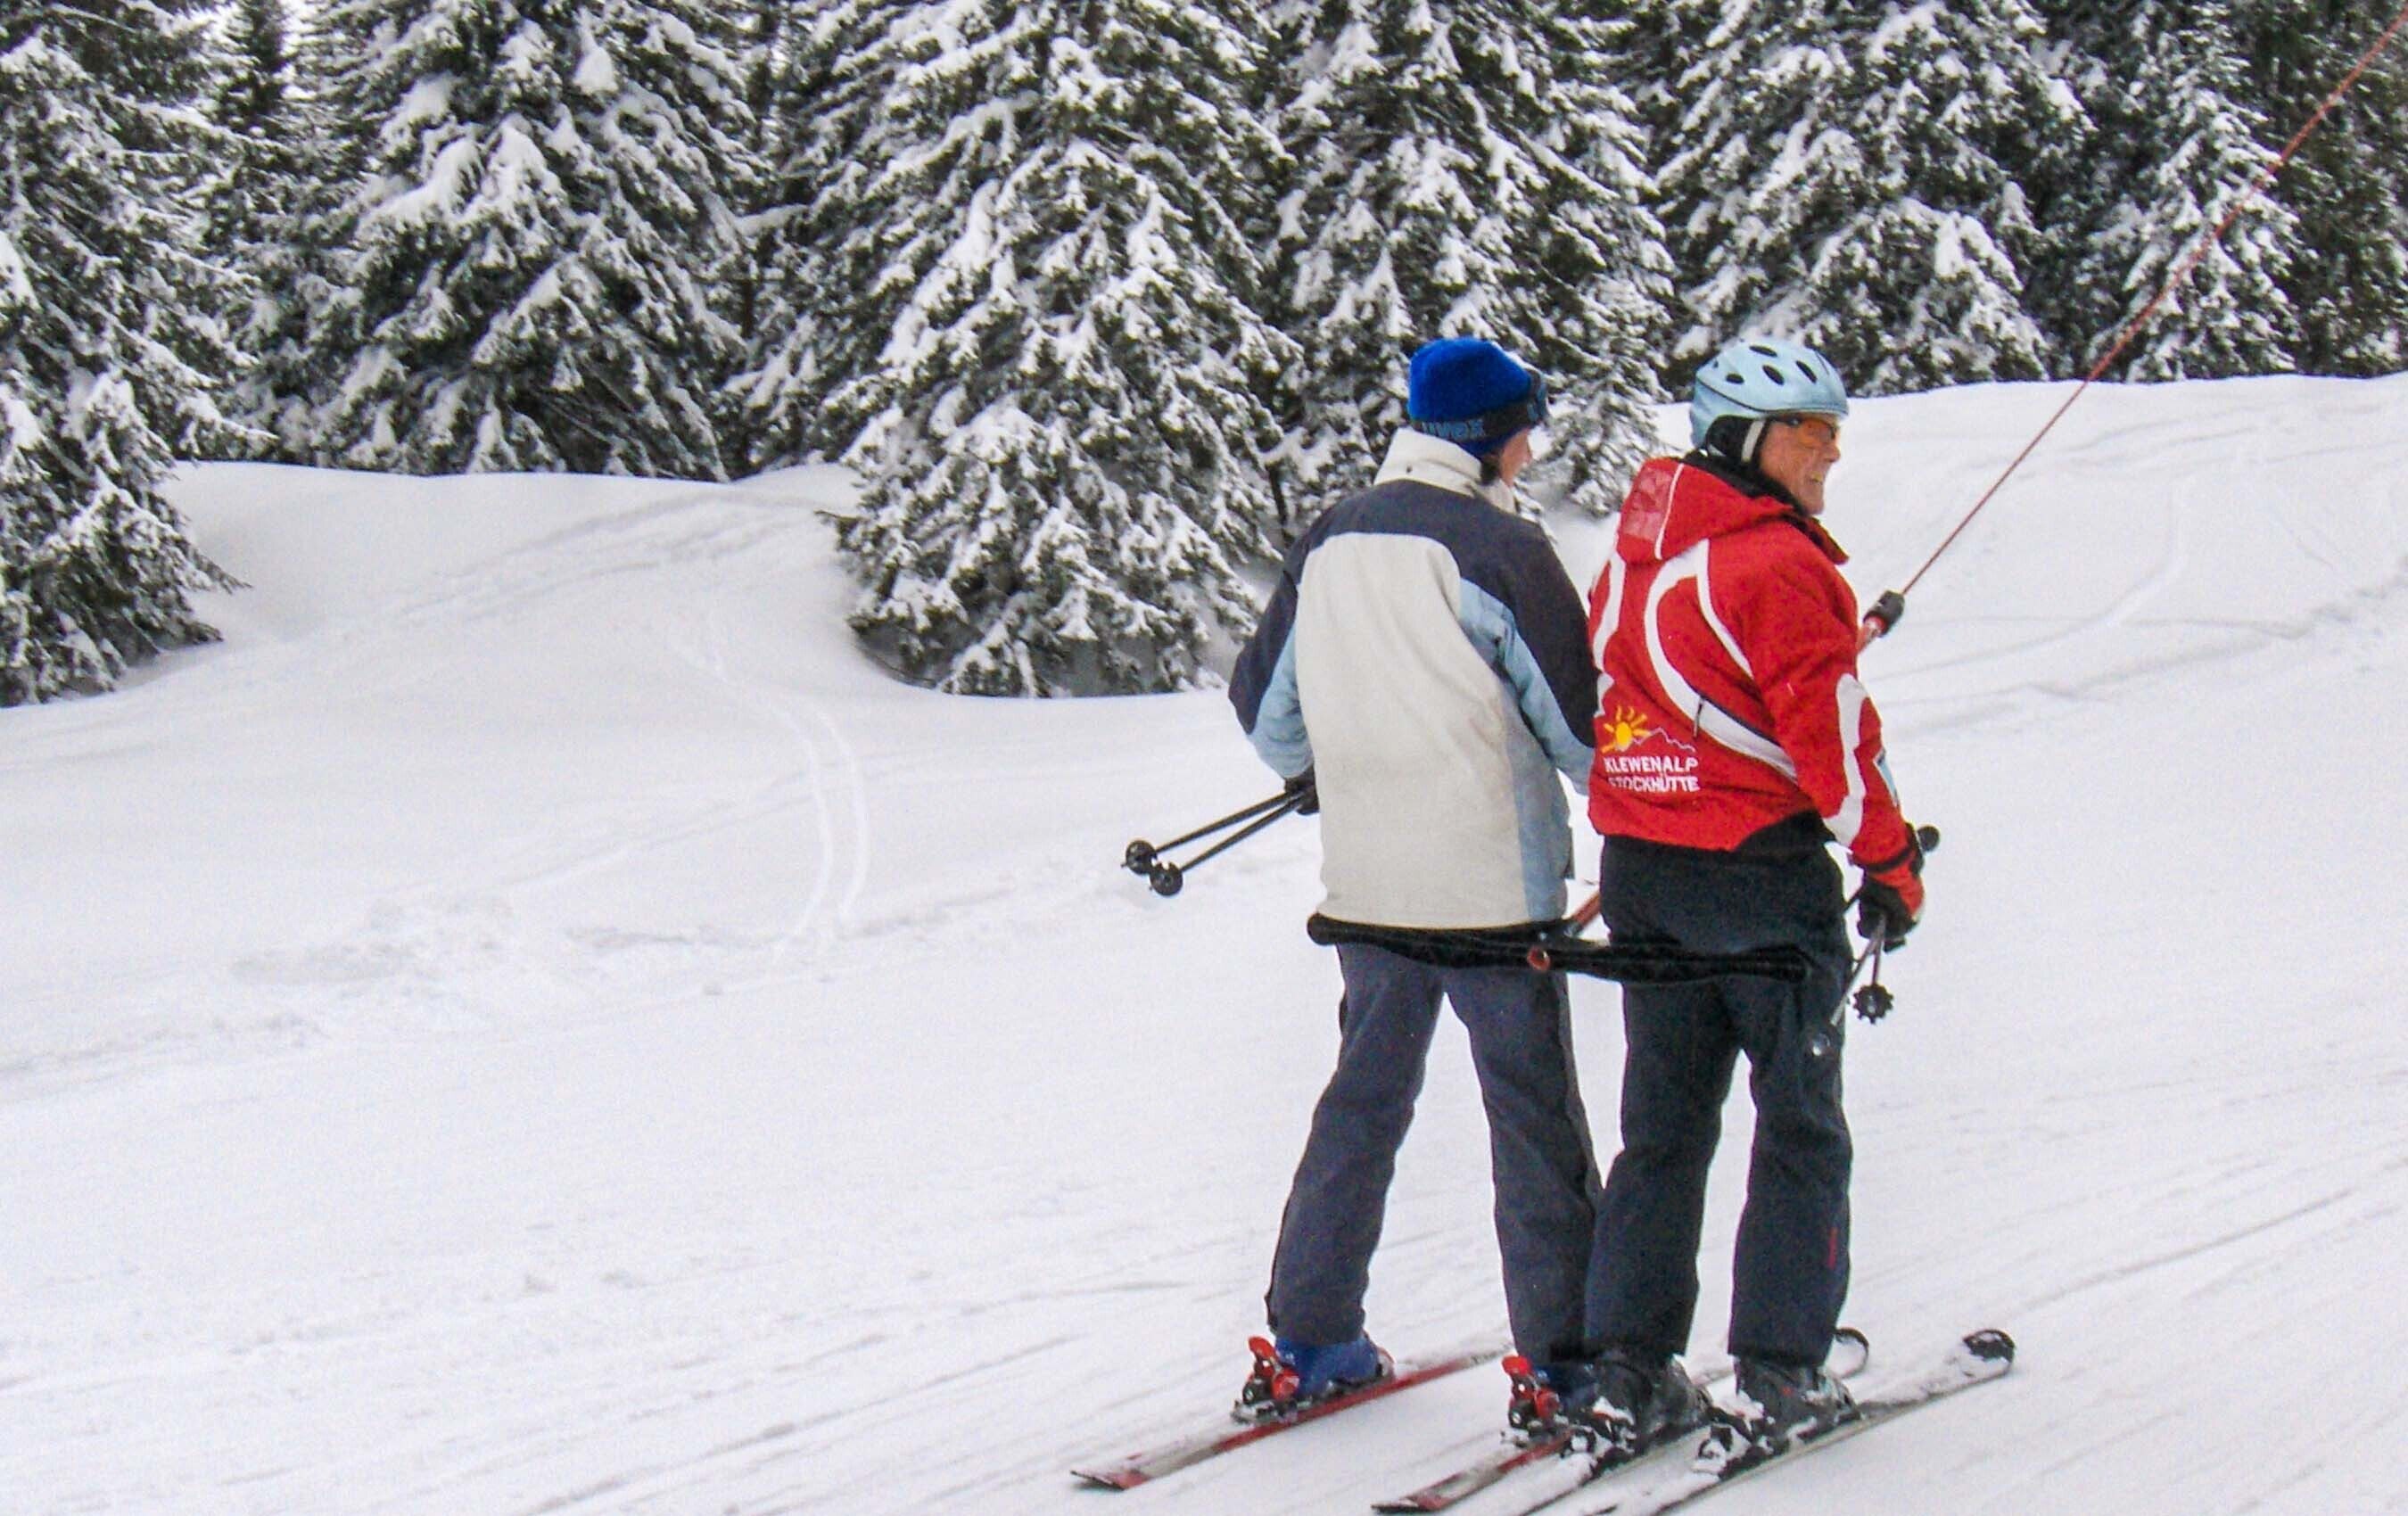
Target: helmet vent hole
{"x":1734,"y":378}
{"x":1811,"y":378}
{"x":1760,"y":350}
{"x":1772,"y":373}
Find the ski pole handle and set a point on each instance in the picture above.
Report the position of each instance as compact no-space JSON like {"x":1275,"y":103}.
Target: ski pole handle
{"x":1540,"y":958}
{"x":1925,"y":837}
{"x":1888,"y":611}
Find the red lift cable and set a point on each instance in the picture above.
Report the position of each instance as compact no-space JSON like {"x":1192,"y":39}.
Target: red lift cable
{"x":1877,"y":624}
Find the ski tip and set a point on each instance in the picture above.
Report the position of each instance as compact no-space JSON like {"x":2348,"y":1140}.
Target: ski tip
{"x":1109,"y":1479}
{"x":1991,"y":1346}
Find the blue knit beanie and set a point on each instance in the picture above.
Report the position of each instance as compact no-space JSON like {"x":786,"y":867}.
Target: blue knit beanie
{"x":1470,"y":393}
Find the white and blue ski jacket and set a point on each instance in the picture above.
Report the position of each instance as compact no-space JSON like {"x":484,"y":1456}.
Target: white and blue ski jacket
{"x":1426,"y":656}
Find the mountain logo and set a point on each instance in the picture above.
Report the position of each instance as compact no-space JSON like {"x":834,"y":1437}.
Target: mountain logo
{"x":1628,"y":728}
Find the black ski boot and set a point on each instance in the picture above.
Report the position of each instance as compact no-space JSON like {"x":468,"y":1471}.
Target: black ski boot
{"x":1643,"y":1400}
{"x":1793,"y":1403}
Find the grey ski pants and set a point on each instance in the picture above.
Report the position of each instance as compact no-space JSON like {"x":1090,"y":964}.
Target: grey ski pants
{"x":1541,"y":1158}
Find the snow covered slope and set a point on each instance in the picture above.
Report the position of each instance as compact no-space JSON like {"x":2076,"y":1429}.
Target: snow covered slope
{"x":536,"y":1022}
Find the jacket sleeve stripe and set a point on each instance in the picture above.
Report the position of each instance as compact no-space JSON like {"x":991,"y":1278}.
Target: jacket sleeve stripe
{"x":1263,"y":686}
{"x":1491,"y":627}
{"x":1671,"y":491}
{"x":1849,"y":819}
{"x":1277,"y":731}
{"x":1617,"y":573}
{"x":1714,"y":618}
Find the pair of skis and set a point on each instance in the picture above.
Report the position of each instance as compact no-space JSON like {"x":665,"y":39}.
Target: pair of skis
{"x":1850,"y":1352}
{"x":1683,"y":1470}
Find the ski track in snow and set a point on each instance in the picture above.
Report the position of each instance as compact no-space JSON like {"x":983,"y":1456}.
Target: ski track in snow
{"x":844,"y":858}
{"x":592,"y":1044}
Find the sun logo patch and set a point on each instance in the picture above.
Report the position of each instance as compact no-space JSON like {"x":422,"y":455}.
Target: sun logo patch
{"x":1624,"y":730}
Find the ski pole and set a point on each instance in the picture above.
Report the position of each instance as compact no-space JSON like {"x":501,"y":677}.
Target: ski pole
{"x":1140,"y":856}
{"x":1167,"y":877}
{"x":1874,"y":1001}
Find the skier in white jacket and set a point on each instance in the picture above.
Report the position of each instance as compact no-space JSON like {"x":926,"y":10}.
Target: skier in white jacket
{"x":1425,"y":662}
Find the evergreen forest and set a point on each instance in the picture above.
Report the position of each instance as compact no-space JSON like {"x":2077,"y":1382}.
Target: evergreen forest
{"x":1101,"y":300}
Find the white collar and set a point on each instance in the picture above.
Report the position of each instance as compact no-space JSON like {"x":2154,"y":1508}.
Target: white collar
{"x":1428,"y":460}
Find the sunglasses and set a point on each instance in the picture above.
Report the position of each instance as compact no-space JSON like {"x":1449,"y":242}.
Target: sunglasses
{"x":1820,"y":430}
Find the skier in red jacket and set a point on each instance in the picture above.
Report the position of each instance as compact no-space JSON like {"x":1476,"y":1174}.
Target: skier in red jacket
{"x":1734,"y":743}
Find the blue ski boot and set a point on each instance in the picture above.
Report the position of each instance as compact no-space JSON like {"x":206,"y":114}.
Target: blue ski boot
{"x":1288,"y":1376}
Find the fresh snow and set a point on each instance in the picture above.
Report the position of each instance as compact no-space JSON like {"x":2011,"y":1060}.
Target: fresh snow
{"x":536,"y":1022}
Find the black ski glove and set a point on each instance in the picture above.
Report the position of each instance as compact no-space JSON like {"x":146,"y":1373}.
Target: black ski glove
{"x":1889,"y":898}
{"x":1882,"y":912}
{"x":1302,"y":784}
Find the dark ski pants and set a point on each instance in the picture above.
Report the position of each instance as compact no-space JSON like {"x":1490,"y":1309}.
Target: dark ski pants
{"x":1790,"y":1272}
{"x":1545,"y":1169}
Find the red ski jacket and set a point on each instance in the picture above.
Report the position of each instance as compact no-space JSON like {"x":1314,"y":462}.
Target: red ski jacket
{"x":1729,"y":699}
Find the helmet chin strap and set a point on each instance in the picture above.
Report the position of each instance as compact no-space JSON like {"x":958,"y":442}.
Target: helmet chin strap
{"x":1737,"y":438}
{"x":1753,"y":443}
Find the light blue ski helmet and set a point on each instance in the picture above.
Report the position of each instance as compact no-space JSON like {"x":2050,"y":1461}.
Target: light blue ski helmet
{"x":1757,"y":377}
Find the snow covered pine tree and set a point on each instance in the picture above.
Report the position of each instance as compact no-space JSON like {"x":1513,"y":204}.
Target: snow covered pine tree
{"x":1851,"y":175}
{"x":1050,"y":370}
{"x":253,"y":206}
{"x":2176,"y":144}
{"x":765,"y":52}
{"x":109,"y":334}
{"x":1468,"y":170}
{"x":536,"y":261}
{"x":2349,"y":185}
{"x":826,"y":89}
